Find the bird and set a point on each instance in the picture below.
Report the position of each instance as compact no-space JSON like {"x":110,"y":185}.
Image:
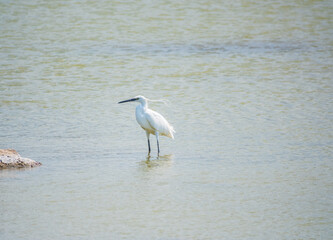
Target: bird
{"x":151,"y":121}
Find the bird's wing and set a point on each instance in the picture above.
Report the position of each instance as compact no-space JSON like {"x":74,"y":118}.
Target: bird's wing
{"x":159,"y":123}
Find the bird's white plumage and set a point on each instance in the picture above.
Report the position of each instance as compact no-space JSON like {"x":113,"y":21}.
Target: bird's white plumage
{"x":152,"y":122}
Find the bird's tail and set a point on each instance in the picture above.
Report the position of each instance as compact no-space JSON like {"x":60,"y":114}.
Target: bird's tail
{"x":171,"y":132}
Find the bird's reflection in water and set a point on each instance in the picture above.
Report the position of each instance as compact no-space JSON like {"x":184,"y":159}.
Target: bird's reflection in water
{"x":156,"y":162}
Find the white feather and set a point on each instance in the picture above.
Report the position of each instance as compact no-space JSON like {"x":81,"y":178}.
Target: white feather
{"x":152,"y":122}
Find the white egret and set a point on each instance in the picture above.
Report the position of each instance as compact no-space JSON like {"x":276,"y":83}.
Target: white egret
{"x":152,"y":122}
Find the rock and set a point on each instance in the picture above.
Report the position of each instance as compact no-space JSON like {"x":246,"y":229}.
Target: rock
{"x":9,"y":158}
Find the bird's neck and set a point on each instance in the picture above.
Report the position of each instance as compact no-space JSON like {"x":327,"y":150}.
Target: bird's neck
{"x":144,"y":105}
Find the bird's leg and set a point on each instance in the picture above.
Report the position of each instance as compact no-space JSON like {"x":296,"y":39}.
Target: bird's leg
{"x":147,"y":133}
{"x":158,"y":144}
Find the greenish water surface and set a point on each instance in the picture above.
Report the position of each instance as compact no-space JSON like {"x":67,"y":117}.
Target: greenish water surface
{"x":250,"y":90}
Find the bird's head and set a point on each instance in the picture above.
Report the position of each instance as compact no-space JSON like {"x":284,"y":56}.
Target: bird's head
{"x":139,"y":98}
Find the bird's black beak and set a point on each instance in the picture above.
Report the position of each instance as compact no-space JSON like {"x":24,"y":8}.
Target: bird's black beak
{"x":129,"y":100}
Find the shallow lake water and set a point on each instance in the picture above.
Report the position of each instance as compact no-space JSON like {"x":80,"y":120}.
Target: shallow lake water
{"x":250,"y":92}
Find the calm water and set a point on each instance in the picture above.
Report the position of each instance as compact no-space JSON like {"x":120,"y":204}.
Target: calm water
{"x":251,"y":92}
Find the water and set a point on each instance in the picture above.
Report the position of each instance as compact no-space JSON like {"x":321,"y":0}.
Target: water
{"x":250,"y":86}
